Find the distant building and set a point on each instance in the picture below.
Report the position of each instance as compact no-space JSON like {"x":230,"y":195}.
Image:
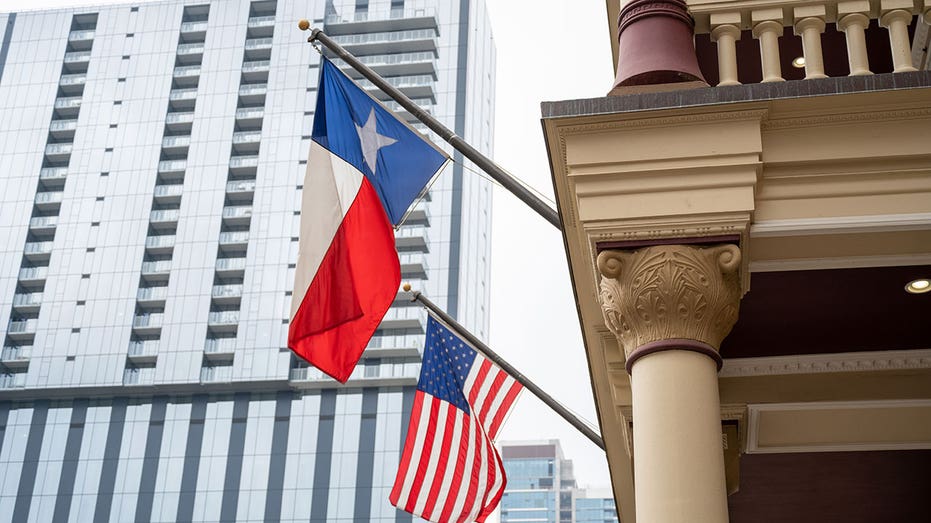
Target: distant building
{"x":152,"y":160}
{"x":542,"y":488}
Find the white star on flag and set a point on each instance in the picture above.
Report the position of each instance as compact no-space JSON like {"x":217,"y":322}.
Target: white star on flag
{"x":372,"y":141}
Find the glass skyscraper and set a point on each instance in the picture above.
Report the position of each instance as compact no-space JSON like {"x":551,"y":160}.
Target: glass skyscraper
{"x":542,"y":488}
{"x":152,"y":158}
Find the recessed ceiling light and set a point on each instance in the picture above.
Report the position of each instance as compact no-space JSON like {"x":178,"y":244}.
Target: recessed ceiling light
{"x":919,"y":286}
{"x":799,"y":62}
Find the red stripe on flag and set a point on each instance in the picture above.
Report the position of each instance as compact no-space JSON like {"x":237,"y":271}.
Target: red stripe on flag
{"x":409,"y":441}
{"x":499,"y":378}
{"x":462,"y":455}
{"x":490,"y":476}
{"x":493,"y":502}
{"x":451,"y":414}
{"x":474,"y":475}
{"x":351,"y":291}
{"x":477,"y":384}
{"x":503,"y":410}
{"x":421,"y":475}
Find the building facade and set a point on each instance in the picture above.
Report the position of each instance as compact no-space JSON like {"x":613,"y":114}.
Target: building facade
{"x":152,"y":158}
{"x":748,"y":222}
{"x":542,"y":487}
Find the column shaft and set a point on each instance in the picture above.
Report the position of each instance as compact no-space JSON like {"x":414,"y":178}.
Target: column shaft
{"x":726,"y":37}
{"x":896,"y":22}
{"x":677,"y":427}
{"x":768,"y":33}
{"x":811,"y":29}
{"x":854,"y":28}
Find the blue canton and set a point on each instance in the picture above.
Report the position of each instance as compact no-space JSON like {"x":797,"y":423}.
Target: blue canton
{"x":447,"y":360}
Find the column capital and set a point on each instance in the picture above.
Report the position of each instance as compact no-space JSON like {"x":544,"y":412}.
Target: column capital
{"x":895,"y":15}
{"x":725,"y":29}
{"x":670,"y":297}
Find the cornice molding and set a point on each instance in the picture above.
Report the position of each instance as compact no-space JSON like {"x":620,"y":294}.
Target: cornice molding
{"x":827,"y":363}
{"x":841,"y":225}
{"x":848,"y":262}
{"x":842,"y":118}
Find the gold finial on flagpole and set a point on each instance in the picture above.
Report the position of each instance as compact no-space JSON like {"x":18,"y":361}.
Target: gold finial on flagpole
{"x":406,"y":287}
{"x":303,"y":25}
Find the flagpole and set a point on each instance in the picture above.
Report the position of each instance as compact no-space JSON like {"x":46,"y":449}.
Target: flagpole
{"x":499,"y":361}
{"x":485,"y":163}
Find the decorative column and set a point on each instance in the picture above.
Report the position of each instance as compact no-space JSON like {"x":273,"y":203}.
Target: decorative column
{"x":767,"y":28}
{"x":725,"y":31}
{"x":896,"y":16}
{"x":853,"y":19}
{"x":669,"y":307}
{"x":809,"y":24}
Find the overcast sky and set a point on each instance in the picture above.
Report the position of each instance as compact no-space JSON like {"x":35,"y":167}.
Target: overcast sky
{"x":547,"y":50}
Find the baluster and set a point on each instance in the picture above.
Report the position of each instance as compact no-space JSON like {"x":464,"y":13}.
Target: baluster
{"x":853,"y":19}
{"x":896,"y":17}
{"x":767,"y":29}
{"x":725,"y":32}
{"x":809,"y":24}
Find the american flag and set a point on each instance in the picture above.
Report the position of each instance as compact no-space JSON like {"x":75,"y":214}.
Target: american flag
{"x":450,"y":469}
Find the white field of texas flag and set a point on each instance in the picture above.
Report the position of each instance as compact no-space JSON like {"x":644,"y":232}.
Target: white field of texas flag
{"x":365,"y":170}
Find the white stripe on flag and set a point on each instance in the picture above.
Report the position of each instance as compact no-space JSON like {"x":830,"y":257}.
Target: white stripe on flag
{"x":454,"y":451}
{"x":327,"y":195}
{"x":434,"y":458}
{"x":463,"y":492}
{"x":417,"y":451}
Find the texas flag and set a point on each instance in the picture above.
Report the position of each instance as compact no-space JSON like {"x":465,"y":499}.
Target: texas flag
{"x":365,"y":169}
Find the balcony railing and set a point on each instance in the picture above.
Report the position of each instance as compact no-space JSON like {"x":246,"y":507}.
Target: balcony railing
{"x":189,"y":53}
{"x":244,"y":187}
{"x":16,"y":354}
{"x":149,"y":320}
{"x":61,"y":128}
{"x":160,"y":243}
{"x":250,"y":113}
{"x":164,"y":216}
{"x":237,"y":214}
{"x":15,"y":380}
{"x":143,"y":349}
{"x":72,"y":83}
{"x":187,"y":75}
{"x":258,"y":48}
{"x":216,"y":374}
{"x":255,"y":69}
{"x":223,"y":318}
{"x":834,"y":38}
{"x":193,"y":27}
{"x":156,"y":267}
{"x":413,"y":266}
{"x":58,"y":151}
{"x":43,"y":223}
{"x":247,"y":137}
{"x":172,"y":166}
{"x":30,"y":300}
{"x":260,"y":26}
{"x":53,"y":173}
{"x":412,"y":238}
{"x":390,"y":41}
{"x":183,"y":98}
{"x":77,"y":57}
{"x":139,"y":376}
{"x":242,"y":164}
{"x":167,"y":192}
{"x":38,"y":249}
{"x":230,"y":265}
{"x":32,"y":274}
{"x":152,"y":294}
{"x":22,"y":327}
{"x":252,"y":93}
{"x":219,"y":345}
{"x":67,"y":107}
{"x":225,"y":291}
{"x":81,"y":40}
{"x":179,"y":119}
